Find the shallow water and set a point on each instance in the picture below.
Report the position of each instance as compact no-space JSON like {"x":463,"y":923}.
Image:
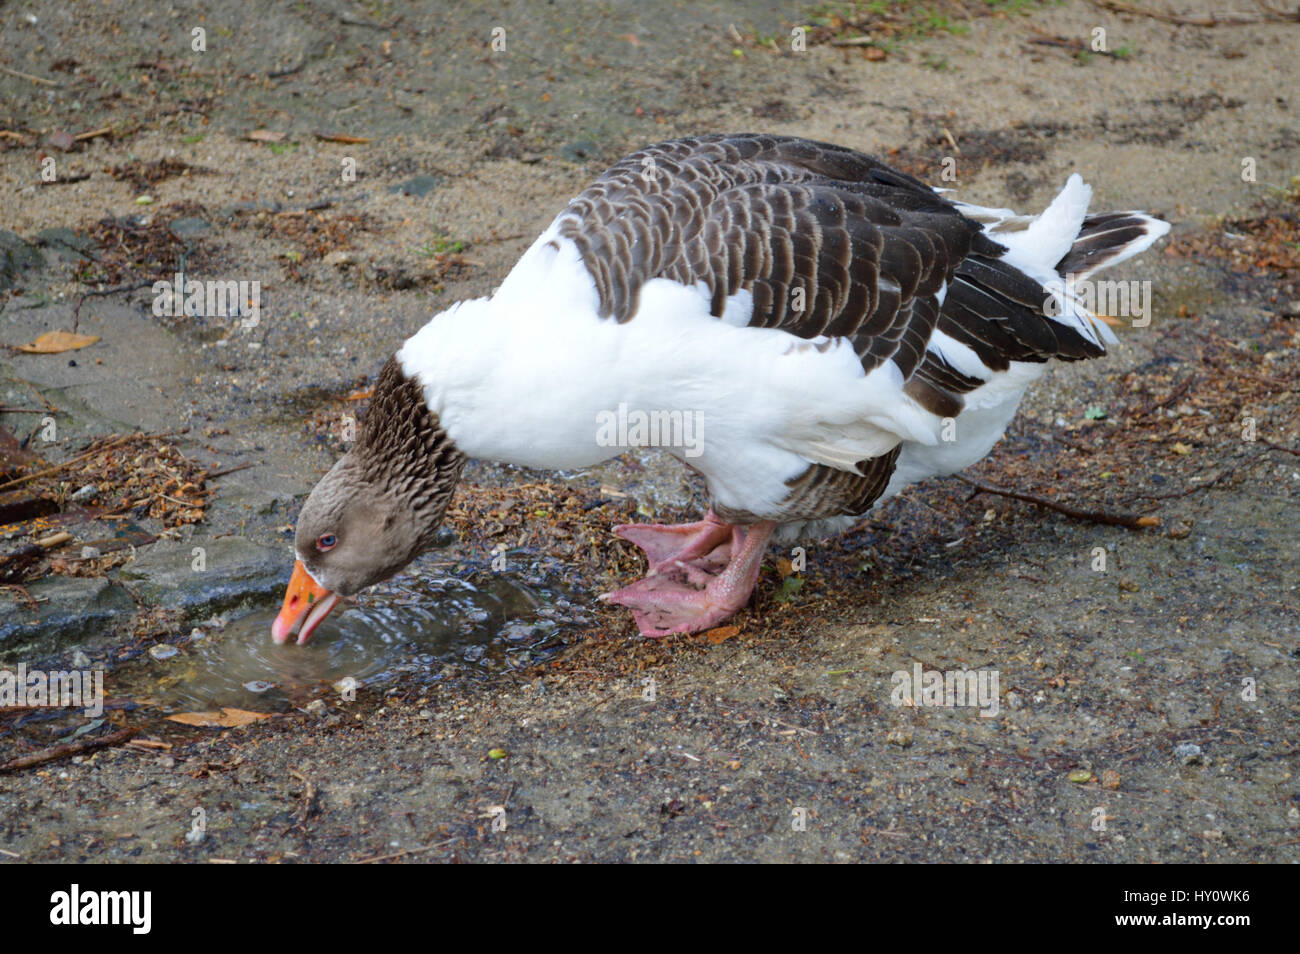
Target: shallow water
{"x":408,"y":630}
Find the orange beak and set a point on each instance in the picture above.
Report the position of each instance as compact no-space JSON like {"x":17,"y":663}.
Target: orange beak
{"x":306,"y":603}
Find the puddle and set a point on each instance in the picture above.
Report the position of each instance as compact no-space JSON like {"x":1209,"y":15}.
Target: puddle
{"x":412,"y":630}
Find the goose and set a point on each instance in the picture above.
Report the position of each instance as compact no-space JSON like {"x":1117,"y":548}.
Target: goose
{"x":807,"y":328}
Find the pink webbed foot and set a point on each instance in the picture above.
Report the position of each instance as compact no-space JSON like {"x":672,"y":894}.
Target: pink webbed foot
{"x":667,"y":543}
{"x":692,"y":595}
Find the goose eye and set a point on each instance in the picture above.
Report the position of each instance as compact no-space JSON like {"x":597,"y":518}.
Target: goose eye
{"x":326,"y":541}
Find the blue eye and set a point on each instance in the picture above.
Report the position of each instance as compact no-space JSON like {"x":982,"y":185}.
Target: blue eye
{"x":326,"y":541}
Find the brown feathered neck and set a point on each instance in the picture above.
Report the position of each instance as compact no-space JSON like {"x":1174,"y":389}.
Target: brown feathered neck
{"x":403,"y":449}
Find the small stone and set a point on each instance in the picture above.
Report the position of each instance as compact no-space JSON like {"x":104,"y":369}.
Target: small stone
{"x":84,"y":494}
{"x":1189,"y":753}
{"x":1080,"y":776}
{"x":90,"y":553}
{"x":1291,"y":309}
{"x":899,"y":737}
{"x":1110,"y":779}
{"x":418,"y":186}
{"x":163,"y":651}
{"x":340,"y":258}
{"x":189,"y":227}
{"x":317,"y":707}
{"x":80,"y":660}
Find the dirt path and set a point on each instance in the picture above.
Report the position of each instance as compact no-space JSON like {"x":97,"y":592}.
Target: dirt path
{"x":1145,"y":711}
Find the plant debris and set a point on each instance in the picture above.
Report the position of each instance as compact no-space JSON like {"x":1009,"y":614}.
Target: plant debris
{"x":142,"y":174}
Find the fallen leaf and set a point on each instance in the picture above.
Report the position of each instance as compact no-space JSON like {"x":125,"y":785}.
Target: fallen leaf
{"x":496,"y":753}
{"x":55,"y":342}
{"x":720,"y":634}
{"x":225,"y":719}
{"x":266,"y":135}
{"x":1080,"y":776}
{"x":874,"y":53}
{"x":1181,"y":448}
{"x":341,"y":137}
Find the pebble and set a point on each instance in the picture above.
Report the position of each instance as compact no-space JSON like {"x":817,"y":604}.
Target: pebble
{"x":84,"y":494}
{"x":1189,"y":753}
{"x":317,"y":707}
{"x":163,"y":651}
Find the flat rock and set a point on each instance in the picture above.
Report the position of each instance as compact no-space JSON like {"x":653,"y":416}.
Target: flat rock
{"x":17,"y":255}
{"x":228,"y":572}
{"x":70,"y":609}
{"x":67,"y":244}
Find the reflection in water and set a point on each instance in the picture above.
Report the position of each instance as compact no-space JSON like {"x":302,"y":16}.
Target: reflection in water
{"x":240,"y":666}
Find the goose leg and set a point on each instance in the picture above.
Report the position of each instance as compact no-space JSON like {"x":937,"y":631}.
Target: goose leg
{"x":686,"y":597}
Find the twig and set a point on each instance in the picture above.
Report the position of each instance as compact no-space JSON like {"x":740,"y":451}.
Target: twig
{"x":67,"y":180}
{"x":229,"y":470}
{"x":28,"y":76}
{"x":94,"y":133}
{"x":67,"y":749}
{"x":1132,"y":521}
{"x":1213,"y":20}
{"x":408,"y":851}
{"x":1174,"y":396}
{"x":41,"y":397}
{"x":1281,"y":447}
{"x":98,"y":292}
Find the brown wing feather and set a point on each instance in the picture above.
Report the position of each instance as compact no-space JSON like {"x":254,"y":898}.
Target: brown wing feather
{"x":828,"y":241}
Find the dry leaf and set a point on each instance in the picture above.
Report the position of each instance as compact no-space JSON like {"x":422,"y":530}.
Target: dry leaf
{"x":721,"y":634}
{"x":54,"y":342}
{"x":874,"y":53}
{"x":265,"y":135}
{"x":1181,"y":448}
{"x":341,"y":137}
{"x":227,"y":718}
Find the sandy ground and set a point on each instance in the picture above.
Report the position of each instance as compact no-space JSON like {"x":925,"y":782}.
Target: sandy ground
{"x":781,"y":742}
